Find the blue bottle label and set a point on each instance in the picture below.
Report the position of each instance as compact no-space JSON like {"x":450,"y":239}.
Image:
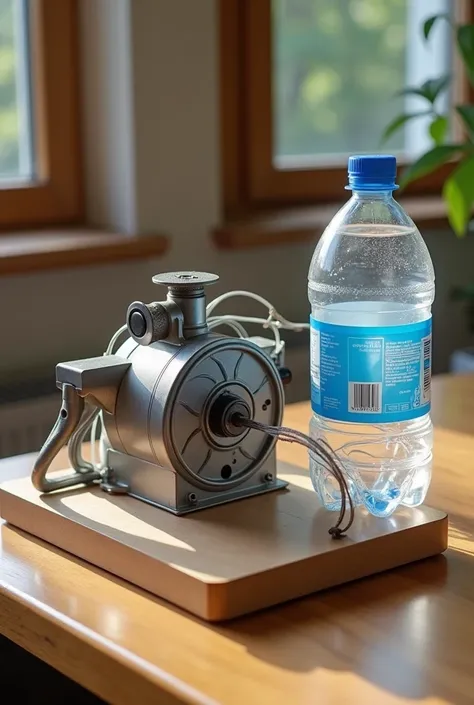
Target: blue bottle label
{"x":371,"y":375}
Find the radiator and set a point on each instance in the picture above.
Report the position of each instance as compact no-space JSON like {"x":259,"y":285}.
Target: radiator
{"x":25,"y":421}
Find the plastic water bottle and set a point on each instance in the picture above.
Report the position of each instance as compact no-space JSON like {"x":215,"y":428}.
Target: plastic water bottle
{"x":371,"y":286}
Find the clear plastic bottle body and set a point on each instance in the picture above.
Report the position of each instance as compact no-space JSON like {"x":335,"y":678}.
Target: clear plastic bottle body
{"x":372,"y":268}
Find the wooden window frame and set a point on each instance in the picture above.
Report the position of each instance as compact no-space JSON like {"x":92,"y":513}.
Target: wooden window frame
{"x":55,"y":194}
{"x":250,"y":180}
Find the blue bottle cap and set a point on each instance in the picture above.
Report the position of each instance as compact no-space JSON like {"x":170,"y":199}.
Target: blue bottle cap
{"x":372,"y":172}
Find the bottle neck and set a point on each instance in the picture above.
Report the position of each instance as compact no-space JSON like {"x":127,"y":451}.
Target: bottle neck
{"x":385,"y":195}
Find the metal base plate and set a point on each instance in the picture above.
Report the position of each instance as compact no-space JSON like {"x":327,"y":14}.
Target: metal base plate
{"x":210,"y":501}
{"x":231,"y":559}
{"x":168,"y":490}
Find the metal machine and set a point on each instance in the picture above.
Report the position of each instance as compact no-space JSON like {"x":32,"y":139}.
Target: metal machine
{"x":168,"y":399}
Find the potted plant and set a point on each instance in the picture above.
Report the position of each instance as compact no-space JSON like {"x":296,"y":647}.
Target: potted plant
{"x":458,"y":188}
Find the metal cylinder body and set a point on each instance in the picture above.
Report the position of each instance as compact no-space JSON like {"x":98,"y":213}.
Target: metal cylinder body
{"x":168,"y":399}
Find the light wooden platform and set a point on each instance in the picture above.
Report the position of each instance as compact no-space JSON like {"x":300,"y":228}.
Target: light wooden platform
{"x":230,"y":560}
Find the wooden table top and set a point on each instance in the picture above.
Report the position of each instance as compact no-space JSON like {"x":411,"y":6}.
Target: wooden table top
{"x":399,"y":637}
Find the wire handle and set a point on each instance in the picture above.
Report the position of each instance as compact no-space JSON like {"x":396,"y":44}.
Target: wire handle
{"x":324,"y":452}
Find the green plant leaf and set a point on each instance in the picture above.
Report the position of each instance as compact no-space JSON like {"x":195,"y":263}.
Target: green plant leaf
{"x":438,"y":129}
{"x":430,"y":23}
{"x":467,"y":114}
{"x":465,"y":37}
{"x":458,"y":194}
{"x":430,"y":161}
{"x":430,"y":89}
{"x":399,"y":121}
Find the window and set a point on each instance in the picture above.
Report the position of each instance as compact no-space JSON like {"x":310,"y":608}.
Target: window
{"x":16,"y":148}
{"x":307,"y":82}
{"x":39,"y":162}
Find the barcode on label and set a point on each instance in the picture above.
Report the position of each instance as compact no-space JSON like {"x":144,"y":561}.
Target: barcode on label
{"x":365,"y":397}
{"x":315,"y":357}
{"x":426,"y":367}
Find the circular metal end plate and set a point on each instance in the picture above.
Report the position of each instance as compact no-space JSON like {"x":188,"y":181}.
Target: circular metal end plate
{"x":186,"y":279}
{"x":239,"y":369}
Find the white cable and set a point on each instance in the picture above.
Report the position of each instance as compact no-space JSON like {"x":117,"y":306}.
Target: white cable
{"x":114,"y":339}
{"x":274,"y":322}
{"x":229,"y":294}
{"x":273,"y":314}
{"x":276,"y":335}
{"x":229,"y":319}
{"x":93,"y":441}
{"x":232,"y":323}
{"x":265,"y":322}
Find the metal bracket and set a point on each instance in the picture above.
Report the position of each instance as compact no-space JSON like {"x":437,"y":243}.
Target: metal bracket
{"x":175,"y":333}
{"x":95,"y":377}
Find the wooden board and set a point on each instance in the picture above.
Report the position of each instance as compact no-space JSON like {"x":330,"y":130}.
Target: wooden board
{"x":229,"y":560}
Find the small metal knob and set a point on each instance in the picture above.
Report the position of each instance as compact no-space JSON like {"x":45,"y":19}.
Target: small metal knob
{"x":137,"y":324}
{"x":147,"y":323}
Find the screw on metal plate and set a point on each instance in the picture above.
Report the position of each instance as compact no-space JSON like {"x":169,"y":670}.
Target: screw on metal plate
{"x":192,"y":498}
{"x":111,"y":486}
{"x":268,"y":477}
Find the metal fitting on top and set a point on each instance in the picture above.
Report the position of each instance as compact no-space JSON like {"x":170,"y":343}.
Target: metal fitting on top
{"x":181,"y":316}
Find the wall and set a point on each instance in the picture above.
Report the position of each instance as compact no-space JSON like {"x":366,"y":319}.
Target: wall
{"x":164,"y":177}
